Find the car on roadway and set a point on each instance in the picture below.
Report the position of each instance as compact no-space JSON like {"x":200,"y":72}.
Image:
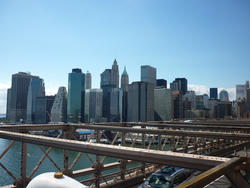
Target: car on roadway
{"x":168,"y":177}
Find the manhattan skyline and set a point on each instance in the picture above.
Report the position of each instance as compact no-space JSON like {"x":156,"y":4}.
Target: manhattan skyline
{"x":206,"y":42}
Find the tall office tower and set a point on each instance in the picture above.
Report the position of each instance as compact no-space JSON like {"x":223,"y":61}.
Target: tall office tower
{"x":213,"y":93}
{"x":148,"y":74}
{"x":8,"y":105}
{"x":43,"y":109}
{"x":115,"y":74}
{"x":212,"y":103}
{"x":93,"y":105}
{"x":248,"y":99}
{"x":205,"y":100}
{"x":240,"y":92}
{"x":116,"y":105}
{"x":88,"y":80}
{"x":124,"y":80}
{"x":18,"y":97}
{"x":190,"y":96}
{"x":199,"y":102}
{"x":177,"y":105}
{"x":246,"y":88}
{"x":140,"y":101}
{"x":59,"y":108}
{"x":75,"y":105}
{"x":161,"y":83}
{"x":179,"y":84}
{"x":124,"y":86}
{"x":162,"y":104}
{"x":36,"y":89}
{"x":106,"y":78}
{"x":224,"y":96}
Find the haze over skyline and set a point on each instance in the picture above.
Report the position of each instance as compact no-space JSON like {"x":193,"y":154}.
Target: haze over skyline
{"x":207,"y":42}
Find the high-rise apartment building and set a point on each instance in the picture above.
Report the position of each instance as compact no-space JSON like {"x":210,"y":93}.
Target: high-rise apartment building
{"x":162,"y":104}
{"x":140,"y":101}
{"x":148,"y":74}
{"x":75,"y":105}
{"x":213,"y":93}
{"x":59,"y":108}
{"x":18,"y":97}
{"x":190,"y":96}
{"x":36,"y":89}
{"x":179,"y":84}
{"x":88,"y":80}
{"x":224,"y":96}
{"x":93,"y":105}
{"x":115,"y":74}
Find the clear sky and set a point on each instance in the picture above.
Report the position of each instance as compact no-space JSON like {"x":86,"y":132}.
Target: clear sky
{"x":208,"y":42}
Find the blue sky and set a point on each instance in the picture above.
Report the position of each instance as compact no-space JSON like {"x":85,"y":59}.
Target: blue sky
{"x":208,"y":42}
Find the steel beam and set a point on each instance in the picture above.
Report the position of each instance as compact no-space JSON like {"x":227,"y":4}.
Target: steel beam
{"x":136,"y":154}
{"x":212,"y":174}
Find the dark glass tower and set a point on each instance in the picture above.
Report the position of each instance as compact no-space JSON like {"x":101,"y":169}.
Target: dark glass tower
{"x":213,"y":93}
{"x":18,"y":97}
{"x":161,"y":83}
{"x":179,"y":84}
{"x":76,"y":85}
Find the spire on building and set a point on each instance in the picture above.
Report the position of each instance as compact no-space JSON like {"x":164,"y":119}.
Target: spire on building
{"x":125,"y":71}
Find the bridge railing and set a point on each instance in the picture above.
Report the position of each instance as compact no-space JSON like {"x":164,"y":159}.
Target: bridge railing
{"x":143,"y":144}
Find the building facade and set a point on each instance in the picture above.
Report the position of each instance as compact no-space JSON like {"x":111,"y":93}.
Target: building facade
{"x":140,"y":102}
{"x":59,"y":108}
{"x":43,"y":109}
{"x":115,"y":74}
{"x":93,"y":105}
{"x":162,"y":104}
{"x":148,"y":74}
{"x":88,"y":80}
{"x":179,"y":84}
{"x":213,"y":93}
{"x":75,"y":105}
{"x":224,"y":96}
{"x":36,"y":89}
{"x":161,"y":83}
{"x":18,"y":97}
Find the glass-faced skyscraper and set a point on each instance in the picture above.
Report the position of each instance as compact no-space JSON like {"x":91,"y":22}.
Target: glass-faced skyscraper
{"x":36,"y":89}
{"x":18,"y":97}
{"x":88,"y":80}
{"x":213,"y":93}
{"x":148,"y":74}
{"x":76,"y":85}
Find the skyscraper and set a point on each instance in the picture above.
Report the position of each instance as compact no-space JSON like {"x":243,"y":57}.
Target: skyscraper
{"x":36,"y":89}
{"x":213,"y":93}
{"x":124,"y":80}
{"x":116,"y":105}
{"x":162,"y":104}
{"x":18,"y":97}
{"x":105,"y":78}
{"x":115,"y":74}
{"x":8,"y":104}
{"x":124,"y":86}
{"x":161,"y":83}
{"x":59,"y":108}
{"x":43,"y":109}
{"x":88,"y":80}
{"x":93,"y":105}
{"x":240,"y":92}
{"x":179,"y":84}
{"x":76,"y":85}
{"x":141,"y":101}
{"x":224,"y":96}
{"x":246,"y":88}
{"x":148,"y":74}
